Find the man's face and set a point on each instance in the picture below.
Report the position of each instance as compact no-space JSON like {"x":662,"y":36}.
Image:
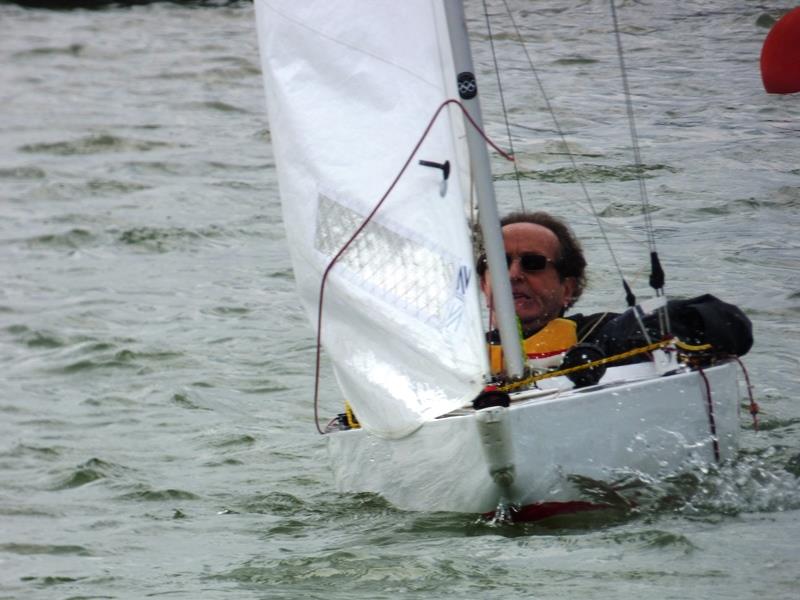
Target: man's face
{"x":539,"y":295}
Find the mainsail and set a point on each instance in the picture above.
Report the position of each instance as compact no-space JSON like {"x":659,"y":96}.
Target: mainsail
{"x":348,"y":99}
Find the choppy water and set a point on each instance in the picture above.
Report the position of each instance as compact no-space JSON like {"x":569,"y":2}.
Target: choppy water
{"x":155,"y":417}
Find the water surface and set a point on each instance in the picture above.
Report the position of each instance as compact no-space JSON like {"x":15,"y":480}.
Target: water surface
{"x":155,"y":431}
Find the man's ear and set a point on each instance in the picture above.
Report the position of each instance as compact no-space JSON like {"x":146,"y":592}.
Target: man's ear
{"x":569,"y":291}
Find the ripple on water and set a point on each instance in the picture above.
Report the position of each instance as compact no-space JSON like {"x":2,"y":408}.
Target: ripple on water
{"x":68,"y":50}
{"x":98,"y":143}
{"x":122,"y":359}
{"x":182,"y":400}
{"x":782,"y":199}
{"x":217,"y":105}
{"x":263,"y":386}
{"x":76,"y":354}
{"x":36,"y":338}
{"x":153,"y":495}
{"x":23,"y":173}
{"x":234,"y":441}
{"x":316,"y":510}
{"x":92,"y":470}
{"x":575,"y":60}
{"x":618,"y":209}
{"x":654,"y":540}
{"x":277,"y":503}
{"x":26,"y":549}
{"x":27,"y":450}
{"x":164,"y":239}
{"x":71,"y":239}
{"x":114,"y":187}
{"x":364,"y":570}
{"x":590,"y":174}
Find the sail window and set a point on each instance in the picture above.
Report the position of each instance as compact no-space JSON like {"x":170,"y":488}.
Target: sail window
{"x":394,"y":265}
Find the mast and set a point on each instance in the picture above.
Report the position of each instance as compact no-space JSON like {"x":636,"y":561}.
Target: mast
{"x":488,"y":216}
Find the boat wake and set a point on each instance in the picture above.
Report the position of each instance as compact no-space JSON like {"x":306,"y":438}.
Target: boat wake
{"x":754,"y":483}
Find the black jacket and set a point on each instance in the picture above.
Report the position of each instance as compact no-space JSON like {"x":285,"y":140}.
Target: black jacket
{"x":701,"y":320}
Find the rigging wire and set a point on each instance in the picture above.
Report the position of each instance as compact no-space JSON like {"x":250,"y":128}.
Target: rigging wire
{"x":637,"y":155}
{"x":630,"y":298}
{"x":366,"y":221}
{"x":656,"y":271}
{"x":503,"y":104}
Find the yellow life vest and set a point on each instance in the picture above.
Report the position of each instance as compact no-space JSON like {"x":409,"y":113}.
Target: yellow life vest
{"x":544,"y":348}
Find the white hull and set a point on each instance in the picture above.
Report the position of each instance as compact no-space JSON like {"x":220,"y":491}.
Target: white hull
{"x":651,"y":426}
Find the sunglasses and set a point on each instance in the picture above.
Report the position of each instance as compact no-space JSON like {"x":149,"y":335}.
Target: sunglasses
{"x":530,"y":262}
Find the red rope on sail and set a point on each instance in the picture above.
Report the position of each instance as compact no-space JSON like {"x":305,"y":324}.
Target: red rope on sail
{"x":366,"y":221}
{"x":712,"y":424}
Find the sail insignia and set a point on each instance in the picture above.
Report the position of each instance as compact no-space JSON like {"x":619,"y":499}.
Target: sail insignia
{"x":467,"y":85}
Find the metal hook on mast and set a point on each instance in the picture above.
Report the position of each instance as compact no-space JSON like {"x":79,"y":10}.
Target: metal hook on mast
{"x":445,"y":168}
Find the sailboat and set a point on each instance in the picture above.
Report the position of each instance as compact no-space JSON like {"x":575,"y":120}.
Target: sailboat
{"x":375,"y":124}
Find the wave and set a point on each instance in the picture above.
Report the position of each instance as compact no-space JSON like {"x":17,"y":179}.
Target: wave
{"x":97,"y":143}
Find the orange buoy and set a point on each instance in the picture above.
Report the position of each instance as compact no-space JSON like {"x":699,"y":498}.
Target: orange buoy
{"x":780,"y":56}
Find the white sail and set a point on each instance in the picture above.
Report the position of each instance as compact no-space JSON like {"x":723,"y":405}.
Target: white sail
{"x":348,"y":99}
